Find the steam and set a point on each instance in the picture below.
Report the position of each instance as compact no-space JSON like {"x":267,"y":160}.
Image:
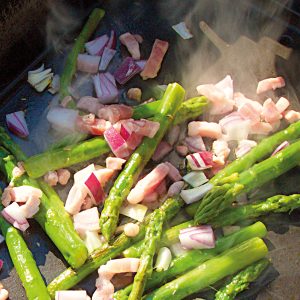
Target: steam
{"x":234,"y":38}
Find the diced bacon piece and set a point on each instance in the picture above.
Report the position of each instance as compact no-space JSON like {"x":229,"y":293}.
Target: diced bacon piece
{"x":182,"y":150}
{"x":25,"y":192}
{"x":90,"y":104}
{"x":174,"y":173}
{"x":146,"y":128}
{"x":175,"y":188}
{"x":63,"y":176}
{"x":244,"y":147}
{"x":194,"y":143}
{"x":87,"y":220}
{"x":126,"y":70}
{"x":71,"y":295}
{"x":292,"y":116}
{"x":114,"y":163}
{"x":275,"y":125}
{"x":3,"y":294}
{"x":148,"y":184}
{"x":88,"y":63}
{"x":123,"y":265}
{"x":152,"y":197}
{"x":240,"y":100}
{"x":19,"y":170}
{"x":96,"y":46}
{"x":134,"y":94}
{"x":91,"y":125}
{"x":154,"y":62}
{"x":76,"y":198}
{"x":31,"y":207}
{"x":106,"y":88}
{"x":13,"y":214}
{"x":51,"y":178}
{"x":138,"y":38}
{"x":116,"y":143}
{"x":65,"y":101}
{"x":161,"y":151}
{"x":270,"y":112}
{"x":133,"y":141}
{"x":6,"y":196}
{"x":114,"y":113}
{"x":249,"y":113}
{"x":162,"y":188}
{"x":270,"y":84}
{"x":173,"y":135}
{"x":261,"y":128}
{"x":221,"y":151}
{"x":201,"y":160}
{"x":205,"y":129}
{"x":282,"y":104}
{"x":132,"y":45}
{"x":220,"y":95}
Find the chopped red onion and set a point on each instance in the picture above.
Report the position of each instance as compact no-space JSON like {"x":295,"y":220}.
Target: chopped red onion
{"x":134,"y":211}
{"x":95,"y":189}
{"x":96,"y":47}
{"x":87,"y":220}
{"x":88,"y":63}
{"x":14,"y":216}
{"x":112,"y":42}
{"x":116,"y":142}
{"x":126,"y":70}
{"x":195,"y":143}
{"x":161,"y":151}
{"x":200,"y":237}
{"x":195,"y":194}
{"x":201,"y":160}
{"x":16,"y":123}
{"x":280,"y":147}
{"x":106,"y":88}
{"x":195,"y":178}
{"x":106,"y":58}
{"x":173,"y":135}
{"x":174,"y":173}
{"x":141,"y":63}
{"x":182,"y":30}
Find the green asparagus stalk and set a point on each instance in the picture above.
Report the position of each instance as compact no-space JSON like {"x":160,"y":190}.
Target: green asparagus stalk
{"x":194,"y":258}
{"x":60,"y":157}
{"x":211,"y":271}
{"x":169,"y":237}
{"x":241,"y":281}
{"x":152,"y":237}
{"x":262,"y":150}
{"x":71,"y":277}
{"x":275,"y":204}
{"x":60,"y":230}
{"x":137,"y":161}
{"x":221,"y":197}
{"x":24,"y":262}
{"x":70,"y":65}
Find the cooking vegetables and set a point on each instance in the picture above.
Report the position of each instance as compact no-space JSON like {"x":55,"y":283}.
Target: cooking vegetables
{"x":110,"y":213}
{"x":60,"y":231}
{"x":71,"y":277}
{"x":24,"y":262}
{"x":70,"y":65}
{"x":241,"y":281}
{"x":194,"y":258}
{"x":212,"y":270}
{"x":39,"y":164}
{"x":152,"y":237}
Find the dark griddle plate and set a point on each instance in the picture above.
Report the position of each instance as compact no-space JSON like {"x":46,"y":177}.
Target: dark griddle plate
{"x":139,"y":17}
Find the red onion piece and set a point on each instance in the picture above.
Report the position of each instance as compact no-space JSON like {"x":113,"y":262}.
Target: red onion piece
{"x":88,"y":63}
{"x":194,"y":143}
{"x":95,"y":188}
{"x":281,"y":147}
{"x":96,"y":47}
{"x":201,"y":237}
{"x":125,"y":132}
{"x":182,"y":30}
{"x":87,"y":220}
{"x":174,"y":173}
{"x":1,"y":264}
{"x":14,"y":216}
{"x":106,"y":58}
{"x":106,"y":88}
{"x":16,"y":123}
{"x":116,"y":142}
{"x":127,"y":70}
{"x":195,"y":194}
{"x":200,"y":160}
{"x":112,"y":42}
{"x":161,"y":151}
{"x":141,"y":63}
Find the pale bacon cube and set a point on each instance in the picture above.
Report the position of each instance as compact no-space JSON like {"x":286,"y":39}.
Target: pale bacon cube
{"x":270,"y":84}
{"x":205,"y":129}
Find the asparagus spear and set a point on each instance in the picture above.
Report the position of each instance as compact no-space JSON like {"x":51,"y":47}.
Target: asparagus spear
{"x":194,"y":258}
{"x":152,"y":237}
{"x":242,"y":280}
{"x":140,"y":157}
{"x":221,"y":197}
{"x":24,"y":262}
{"x":59,"y":157}
{"x":169,"y":237}
{"x":70,"y":65}
{"x":70,"y":277}
{"x":60,"y":230}
{"x":275,"y":204}
{"x":213,"y":270}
